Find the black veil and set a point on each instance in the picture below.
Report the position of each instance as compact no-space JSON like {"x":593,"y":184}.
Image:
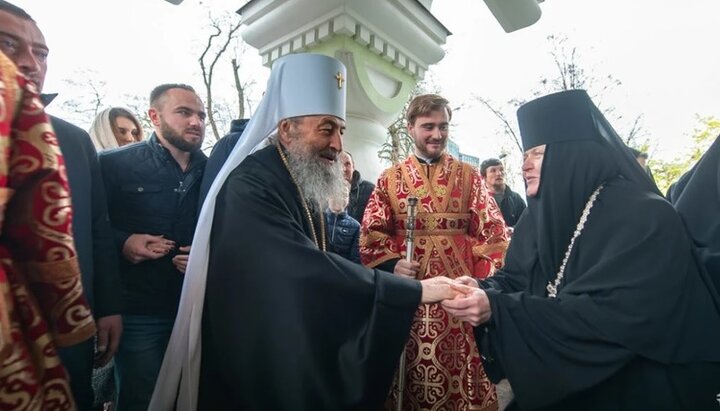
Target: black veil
{"x":696,"y":196}
{"x":632,"y":289}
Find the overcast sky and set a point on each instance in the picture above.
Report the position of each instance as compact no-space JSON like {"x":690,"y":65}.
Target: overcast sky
{"x":664,"y":53}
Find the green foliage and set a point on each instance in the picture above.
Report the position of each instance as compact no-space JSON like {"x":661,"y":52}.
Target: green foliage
{"x":668,"y":172}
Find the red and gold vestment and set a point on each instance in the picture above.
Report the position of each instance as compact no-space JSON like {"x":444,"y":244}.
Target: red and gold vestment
{"x":459,"y":231}
{"x":41,"y":298}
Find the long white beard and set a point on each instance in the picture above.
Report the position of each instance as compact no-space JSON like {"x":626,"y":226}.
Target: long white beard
{"x":318,"y":181}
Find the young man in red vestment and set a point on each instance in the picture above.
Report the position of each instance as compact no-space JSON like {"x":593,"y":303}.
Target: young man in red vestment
{"x":459,"y":231}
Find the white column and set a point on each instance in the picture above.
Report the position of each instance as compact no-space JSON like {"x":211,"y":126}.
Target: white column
{"x":386,"y":46}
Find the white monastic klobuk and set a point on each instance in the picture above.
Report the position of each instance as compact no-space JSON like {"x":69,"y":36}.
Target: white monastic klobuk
{"x":299,"y":85}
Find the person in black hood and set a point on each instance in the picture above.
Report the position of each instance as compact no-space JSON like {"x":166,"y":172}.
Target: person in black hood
{"x":602,"y":303}
{"x":696,"y":196}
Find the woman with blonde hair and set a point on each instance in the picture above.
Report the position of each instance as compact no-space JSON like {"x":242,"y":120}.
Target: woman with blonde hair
{"x":115,"y":127}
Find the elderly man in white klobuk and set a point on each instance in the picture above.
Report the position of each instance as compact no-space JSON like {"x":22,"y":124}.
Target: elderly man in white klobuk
{"x":267,"y":319}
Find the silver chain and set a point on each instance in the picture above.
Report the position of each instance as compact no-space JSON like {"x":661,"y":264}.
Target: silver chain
{"x":552,"y":286}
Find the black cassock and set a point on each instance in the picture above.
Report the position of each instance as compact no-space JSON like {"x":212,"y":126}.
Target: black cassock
{"x":636,"y":322}
{"x":285,"y":325}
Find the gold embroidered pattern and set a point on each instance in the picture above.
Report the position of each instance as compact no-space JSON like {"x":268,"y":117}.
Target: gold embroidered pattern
{"x":443,"y":369}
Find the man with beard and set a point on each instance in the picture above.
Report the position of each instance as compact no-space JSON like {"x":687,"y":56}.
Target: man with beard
{"x":602,"y":303}
{"x":282,"y":324}
{"x":152,"y":193}
{"x":459,"y":232}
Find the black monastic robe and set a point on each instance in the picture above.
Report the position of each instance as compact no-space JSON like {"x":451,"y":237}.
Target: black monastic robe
{"x":696,"y":196}
{"x":636,"y":321}
{"x":624,"y":332}
{"x":285,"y":325}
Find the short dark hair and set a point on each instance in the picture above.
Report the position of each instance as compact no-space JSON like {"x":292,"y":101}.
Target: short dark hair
{"x":425,"y":104}
{"x":490,"y":162}
{"x":14,"y":10}
{"x":160,"y":90}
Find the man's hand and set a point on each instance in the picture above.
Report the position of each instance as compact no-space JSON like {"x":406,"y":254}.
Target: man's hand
{"x":181,"y":260}
{"x":108,"y":338}
{"x":473,"y":307}
{"x":467,"y":281}
{"x":142,"y":247}
{"x":437,"y":289}
{"x":409,"y":269}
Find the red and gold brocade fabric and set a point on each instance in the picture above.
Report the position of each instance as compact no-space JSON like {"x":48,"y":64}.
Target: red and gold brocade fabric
{"x":41,"y":296}
{"x":459,"y":231}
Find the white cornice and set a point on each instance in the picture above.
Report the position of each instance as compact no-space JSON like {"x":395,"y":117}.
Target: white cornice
{"x":401,"y":31}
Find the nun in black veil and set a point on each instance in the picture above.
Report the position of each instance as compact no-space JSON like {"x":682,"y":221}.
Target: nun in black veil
{"x":696,"y":196}
{"x":602,"y":303}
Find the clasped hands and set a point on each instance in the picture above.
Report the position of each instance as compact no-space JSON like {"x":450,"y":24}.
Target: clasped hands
{"x":462,"y":298}
{"x":143,"y":247}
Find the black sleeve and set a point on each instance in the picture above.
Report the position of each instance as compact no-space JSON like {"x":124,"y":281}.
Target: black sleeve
{"x":339,"y":326}
{"x":219,"y":154}
{"x":106,"y":281}
{"x":110,"y":189}
{"x":545,"y":347}
{"x":388,"y":265}
{"x":504,"y":281}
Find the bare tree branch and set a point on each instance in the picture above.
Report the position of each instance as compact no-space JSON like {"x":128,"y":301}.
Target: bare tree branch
{"x":208,"y":71}
{"x":239,"y":88}
{"x":635,"y":130}
{"x":508,"y":127}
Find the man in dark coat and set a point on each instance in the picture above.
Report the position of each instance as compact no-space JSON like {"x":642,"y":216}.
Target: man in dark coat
{"x":97,"y":256}
{"x":343,"y":231}
{"x":91,"y":228}
{"x":360,"y":189}
{"x":511,"y":203}
{"x":602,"y":304}
{"x":285,"y":324}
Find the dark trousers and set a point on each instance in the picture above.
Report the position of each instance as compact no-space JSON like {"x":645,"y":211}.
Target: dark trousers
{"x":78,"y":361}
{"x":138,"y":360}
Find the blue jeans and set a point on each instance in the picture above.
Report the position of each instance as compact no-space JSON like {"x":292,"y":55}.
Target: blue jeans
{"x":139,"y":357}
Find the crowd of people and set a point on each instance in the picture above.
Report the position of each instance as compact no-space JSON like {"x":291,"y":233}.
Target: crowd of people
{"x":272,"y":276}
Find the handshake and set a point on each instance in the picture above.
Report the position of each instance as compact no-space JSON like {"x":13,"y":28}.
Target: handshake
{"x":461,"y":297}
